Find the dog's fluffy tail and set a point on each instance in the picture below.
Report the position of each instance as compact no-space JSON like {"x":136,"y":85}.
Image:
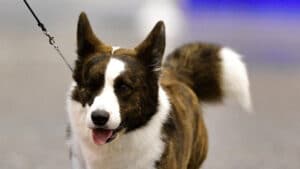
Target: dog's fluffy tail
{"x":214,"y":73}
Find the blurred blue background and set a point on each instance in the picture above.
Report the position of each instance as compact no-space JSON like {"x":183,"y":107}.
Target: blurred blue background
{"x":254,"y":7}
{"x":34,"y":81}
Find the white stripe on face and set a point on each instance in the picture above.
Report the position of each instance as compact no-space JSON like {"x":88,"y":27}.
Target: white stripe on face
{"x":107,"y":99}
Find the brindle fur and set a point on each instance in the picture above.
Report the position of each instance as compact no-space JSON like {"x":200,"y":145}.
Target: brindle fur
{"x":190,"y":75}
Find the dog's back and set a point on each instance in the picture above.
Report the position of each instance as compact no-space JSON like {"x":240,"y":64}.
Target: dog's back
{"x":192,"y":75}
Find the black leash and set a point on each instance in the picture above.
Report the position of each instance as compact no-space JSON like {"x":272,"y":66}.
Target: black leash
{"x":50,"y":37}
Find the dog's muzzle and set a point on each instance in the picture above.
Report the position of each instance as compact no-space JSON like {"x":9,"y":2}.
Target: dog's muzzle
{"x":100,"y":133}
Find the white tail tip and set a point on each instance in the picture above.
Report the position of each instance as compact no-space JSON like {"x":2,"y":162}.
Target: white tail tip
{"x":235,"y":78}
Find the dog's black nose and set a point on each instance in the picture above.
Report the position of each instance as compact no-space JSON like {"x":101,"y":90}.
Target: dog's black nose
{"x":100,"y":117}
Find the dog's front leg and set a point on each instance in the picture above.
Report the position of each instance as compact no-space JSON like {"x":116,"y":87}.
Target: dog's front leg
{"x":75,"y":155}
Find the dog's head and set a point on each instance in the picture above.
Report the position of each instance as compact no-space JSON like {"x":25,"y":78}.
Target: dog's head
{"x":119,"y":88}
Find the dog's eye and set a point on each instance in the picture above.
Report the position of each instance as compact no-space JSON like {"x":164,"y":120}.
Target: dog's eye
{"x":122,"y":87}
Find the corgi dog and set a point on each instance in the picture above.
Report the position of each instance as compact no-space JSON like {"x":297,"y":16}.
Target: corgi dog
{"x":128,"y":109}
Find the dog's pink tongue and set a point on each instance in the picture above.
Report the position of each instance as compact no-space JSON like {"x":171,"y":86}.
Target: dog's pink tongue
{"x":100,"y":136}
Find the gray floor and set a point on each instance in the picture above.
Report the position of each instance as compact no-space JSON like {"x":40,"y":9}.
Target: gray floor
{"x":34,"y":83}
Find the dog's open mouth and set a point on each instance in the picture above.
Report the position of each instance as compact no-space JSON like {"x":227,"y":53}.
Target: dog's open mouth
{"x":103,"y":136}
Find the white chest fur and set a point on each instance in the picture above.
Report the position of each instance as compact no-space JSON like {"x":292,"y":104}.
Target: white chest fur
{"x":139,"y":149}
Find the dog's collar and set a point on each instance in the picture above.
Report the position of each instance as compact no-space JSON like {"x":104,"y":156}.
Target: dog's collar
{"x":114,"y":48}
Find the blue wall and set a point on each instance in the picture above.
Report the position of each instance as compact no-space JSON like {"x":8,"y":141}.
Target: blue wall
{"x":249,"y":6}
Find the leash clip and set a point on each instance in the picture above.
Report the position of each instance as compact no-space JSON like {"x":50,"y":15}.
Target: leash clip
{"x":50,"y":37}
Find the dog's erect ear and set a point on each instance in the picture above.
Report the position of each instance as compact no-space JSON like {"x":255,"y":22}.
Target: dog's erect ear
{"x":87,"y":42}
{"x":151,"y":50}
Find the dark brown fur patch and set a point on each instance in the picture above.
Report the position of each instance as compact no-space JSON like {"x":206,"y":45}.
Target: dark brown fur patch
{"x":199,"y":66}
{"x":140,"y":103}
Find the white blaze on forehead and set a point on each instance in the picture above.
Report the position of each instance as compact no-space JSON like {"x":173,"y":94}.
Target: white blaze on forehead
{"x":107,"y":99}
{"x":113,"y":69}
